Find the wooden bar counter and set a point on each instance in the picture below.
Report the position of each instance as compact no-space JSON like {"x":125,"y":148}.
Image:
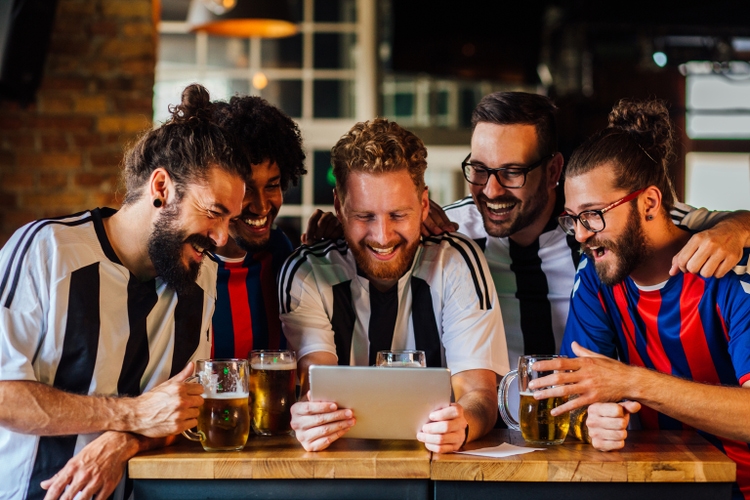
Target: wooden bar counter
{"x":666,"y":464}
{"x":279,"y":468}
{"x":654,"y":465}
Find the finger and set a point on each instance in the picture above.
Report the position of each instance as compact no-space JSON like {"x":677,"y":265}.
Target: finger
{"x":441,"y":427}
{"x":310,"y":408}
{"x":322,"y":420}
{"x":582,"y":352}
{"x":325,"y":442}
{"x":631,"y":406}
{"x":452,"y":438}
{"x":312,"y":226}
{"x":606,"y":445}
{"x":430,"y":227}
{"x":447,"y":413}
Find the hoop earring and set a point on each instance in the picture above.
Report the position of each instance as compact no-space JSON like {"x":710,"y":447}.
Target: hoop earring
{"x":157,"y":202}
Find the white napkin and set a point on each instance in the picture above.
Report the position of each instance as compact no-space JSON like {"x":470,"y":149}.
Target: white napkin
{"x":504,"y":450}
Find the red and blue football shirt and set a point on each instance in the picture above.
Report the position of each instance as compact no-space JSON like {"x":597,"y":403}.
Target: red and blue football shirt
{"x":691,"y":327}
{"x":247,"y":303}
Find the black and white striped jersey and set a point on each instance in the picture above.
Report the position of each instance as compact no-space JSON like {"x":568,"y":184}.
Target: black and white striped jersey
{"x":73,"y":317}
{"x":534,"y":282}
{"x":445,"y":305}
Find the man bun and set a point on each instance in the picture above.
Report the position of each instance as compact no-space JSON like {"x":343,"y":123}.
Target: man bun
{"x":649,"y":124}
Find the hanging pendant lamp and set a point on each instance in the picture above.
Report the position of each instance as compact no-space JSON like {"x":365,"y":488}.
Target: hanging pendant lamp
{"x":242,"y":18}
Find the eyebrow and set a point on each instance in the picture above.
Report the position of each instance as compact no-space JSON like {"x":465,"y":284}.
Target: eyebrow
{"x":219,"y":207}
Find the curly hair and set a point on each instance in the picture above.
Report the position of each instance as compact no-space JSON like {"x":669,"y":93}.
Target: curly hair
{"x":265,"y":133}
{"x":187,"y":146}
{"x":639,"y":142}
{"x":378,"y":146}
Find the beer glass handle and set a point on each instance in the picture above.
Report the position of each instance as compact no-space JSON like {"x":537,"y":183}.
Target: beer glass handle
{"x":502,"y":400}
{"x":190,"y":433}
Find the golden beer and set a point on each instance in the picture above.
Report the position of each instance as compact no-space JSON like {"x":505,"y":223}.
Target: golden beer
{"x":538,"y":425}
{"x":224,"y":420}
{"x":578,"y":424}
{"x":272,"y":392}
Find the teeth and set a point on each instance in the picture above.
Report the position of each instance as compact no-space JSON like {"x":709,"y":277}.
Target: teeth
{"x":383,"y":251}
{"x":256,"y":222}
{"x":500,"y":206}
{"x":197,"y":248}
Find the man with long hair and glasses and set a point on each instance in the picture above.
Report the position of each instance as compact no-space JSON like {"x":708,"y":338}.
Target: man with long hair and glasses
{"x":674,"y":346}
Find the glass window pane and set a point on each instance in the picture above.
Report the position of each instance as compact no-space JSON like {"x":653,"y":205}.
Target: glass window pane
{"x":286,"y":94}
{"x":469,"y":101}
{"x":282,"y":52}
{"x":323,"y":182}
{"x":227,"y":52}
{"x":335,"y":11}
{"x":176,"y":49}
{"x":333,"y":99}
{"x":404,"y":104}
{"x":719,"y":181}
{"x":717,"y":92}
{"x":292,"y":227}
{"x":334,"y":50}
{"x":717,"y":126}
{"x":293,"y":195}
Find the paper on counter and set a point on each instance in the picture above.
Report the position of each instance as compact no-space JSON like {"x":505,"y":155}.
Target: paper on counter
{"x":504,"y":450}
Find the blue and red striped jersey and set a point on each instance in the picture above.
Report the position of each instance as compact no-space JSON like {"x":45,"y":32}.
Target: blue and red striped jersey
{"x":691,"y":327}
{"x":247,"y":305}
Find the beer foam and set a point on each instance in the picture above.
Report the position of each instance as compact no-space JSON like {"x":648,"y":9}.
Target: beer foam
{"x":226,"y":395}
{"x":279,"y":365}
{"x":527,"y":393}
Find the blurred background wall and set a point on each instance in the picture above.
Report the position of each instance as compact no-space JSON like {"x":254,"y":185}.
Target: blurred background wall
{"x":108,"y":69}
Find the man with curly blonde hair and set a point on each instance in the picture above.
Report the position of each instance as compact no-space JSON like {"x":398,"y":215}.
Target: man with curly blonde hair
{"x":382,"y":287}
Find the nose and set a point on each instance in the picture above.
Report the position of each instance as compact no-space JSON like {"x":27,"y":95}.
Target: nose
{"x":219,"y":233}
{"x":260,"y":203}
{"x":582,"y":234}
{"x":382,"y":231}
{"x":493,"y":188}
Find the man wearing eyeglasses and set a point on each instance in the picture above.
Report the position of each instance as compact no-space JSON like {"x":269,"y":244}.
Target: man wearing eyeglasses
{"x":513,"y":172}
{"x":678,"y":344}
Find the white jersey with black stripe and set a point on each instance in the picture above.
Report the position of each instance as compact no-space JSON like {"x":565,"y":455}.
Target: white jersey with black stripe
{"x":72,"y":317}
{"x":445,"y":304}
{"x":534,"y":283}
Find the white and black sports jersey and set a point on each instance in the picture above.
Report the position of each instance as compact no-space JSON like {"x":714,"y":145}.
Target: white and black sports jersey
{"x":445,"y":305}
{"x":73,"y":317}
{"x":534,"y":282}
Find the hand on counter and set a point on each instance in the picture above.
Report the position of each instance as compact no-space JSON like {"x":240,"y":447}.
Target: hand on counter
{"x":318,"y":424}
{"x":447,"y":430}
{"x":96,"y":470}
{"x":608,"y":424}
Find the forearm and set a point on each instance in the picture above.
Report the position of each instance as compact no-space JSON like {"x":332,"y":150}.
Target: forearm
{"x":711,"y":408}
{"x":480,"y":411}
{"x":35,"y":408}
{"x":737,"y":222}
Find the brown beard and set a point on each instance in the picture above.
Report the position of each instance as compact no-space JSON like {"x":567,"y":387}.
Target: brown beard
{"x":391,"y":270}
{"x":531,"y":211}
{"x":630,"y":249}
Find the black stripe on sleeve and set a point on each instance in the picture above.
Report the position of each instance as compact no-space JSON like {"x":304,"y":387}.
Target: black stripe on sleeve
{"x":141,"y":300}
{"x":75,"y":371}
{"x":343,"y":321}
{"x":383,"y":314}
{"x":188,"y":318}
{"x":296,"y":260}
{"x":460,"y":203}
{"x":532,"y":293}
{"x":24,"y":248}
{"x":426,"y":335}
{"x":474,"y":264}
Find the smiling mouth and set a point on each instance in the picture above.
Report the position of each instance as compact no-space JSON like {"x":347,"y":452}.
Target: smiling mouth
{"x":597,"y":252}
{"x":500,"y":208}
{"x":198,"y":248}
{"x":256,"y":222}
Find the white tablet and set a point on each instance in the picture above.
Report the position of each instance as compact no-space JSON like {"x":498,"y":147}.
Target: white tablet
{"x":388,"y":403}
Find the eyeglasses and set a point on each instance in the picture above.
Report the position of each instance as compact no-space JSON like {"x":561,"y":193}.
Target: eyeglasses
{"x":507,"y":177}
{"x":593,"y":220}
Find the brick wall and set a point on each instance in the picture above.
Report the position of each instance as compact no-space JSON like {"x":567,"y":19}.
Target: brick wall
{"x":62,"y":153}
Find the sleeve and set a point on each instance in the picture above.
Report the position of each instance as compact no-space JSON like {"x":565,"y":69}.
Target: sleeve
{"x":304,"y":320}
{"x":472,"y":324}
{"x":738,"y":326}
{"x":24,"y":299}
{"x":695,"y":219}
{"x":588,"y":322}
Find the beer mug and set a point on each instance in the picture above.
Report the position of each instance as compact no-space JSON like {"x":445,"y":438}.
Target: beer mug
{"x":224,"y":419}
{"x":537,"y":425}
{"x":405,"y":358}
{"x":273,"y":391}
